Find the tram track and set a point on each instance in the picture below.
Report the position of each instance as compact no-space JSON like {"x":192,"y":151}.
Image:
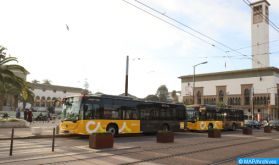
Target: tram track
{"x":244,"y":155}
{"x":159,"y":157}
{"x":124,"y":153}
{"x":139,"y":150}
{"x":191,"y":152}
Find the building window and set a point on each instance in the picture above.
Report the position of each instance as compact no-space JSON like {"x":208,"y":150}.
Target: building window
{"x":221,"y":96}
{"x":37,"y":101}
{"x":43,"y":101}
{"x":246,"y":97}
{"x":261,"y":102}
{"x":198,"y":97}
{"x":48,"y":101}
{"x":238,"y":101}
{"x":257,"y":14}
{"x":266,"y":14}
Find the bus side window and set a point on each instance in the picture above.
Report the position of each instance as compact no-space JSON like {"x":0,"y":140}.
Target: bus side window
{"x":88,"y":111}
{"x":98,"y":112}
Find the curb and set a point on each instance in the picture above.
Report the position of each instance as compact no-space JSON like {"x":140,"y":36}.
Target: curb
{"x":41,"y":136}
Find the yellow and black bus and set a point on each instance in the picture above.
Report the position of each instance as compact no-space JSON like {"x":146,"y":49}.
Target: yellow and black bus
{"x":117,"y":114}
{"x":204,"y":117}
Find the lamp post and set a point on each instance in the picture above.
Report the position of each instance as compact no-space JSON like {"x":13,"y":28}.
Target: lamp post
{"x":194,"y":67}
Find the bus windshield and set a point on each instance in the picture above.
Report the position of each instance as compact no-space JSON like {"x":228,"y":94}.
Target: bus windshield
{"x":71,"y":108}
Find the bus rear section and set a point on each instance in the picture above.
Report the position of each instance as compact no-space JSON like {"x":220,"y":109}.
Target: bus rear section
{"x":204,"y":117}
{"x":162,"y":116}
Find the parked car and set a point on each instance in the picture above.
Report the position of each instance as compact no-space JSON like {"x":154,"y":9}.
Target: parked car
{"x":274,"y":123}
{"x":264,"y":123}
{"x":252,"y":124}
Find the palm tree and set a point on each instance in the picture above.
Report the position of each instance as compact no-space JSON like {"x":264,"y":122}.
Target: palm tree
{"x":9,"y":82}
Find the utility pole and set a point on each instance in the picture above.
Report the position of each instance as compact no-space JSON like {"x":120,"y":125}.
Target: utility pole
{"x":252,"y":100}
{"x":126,"y":77}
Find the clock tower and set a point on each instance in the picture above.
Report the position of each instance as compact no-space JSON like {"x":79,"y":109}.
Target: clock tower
{"x":260,"y":34}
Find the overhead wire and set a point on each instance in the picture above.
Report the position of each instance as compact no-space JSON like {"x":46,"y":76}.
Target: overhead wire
{"x":211,"y":44}
{"x":273,"y":25}
{"x":196,"y":31}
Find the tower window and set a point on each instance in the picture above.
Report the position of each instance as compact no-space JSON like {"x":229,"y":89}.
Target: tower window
{"x":266,"y":14}
{"x":257,"y":14}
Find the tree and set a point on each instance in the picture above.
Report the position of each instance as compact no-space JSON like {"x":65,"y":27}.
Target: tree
{"x":47,"y":82}
{"x":220,"y":104}
{"x":162,"y":93}
{"x":9,"y":82}
{"x":35,"y":81}
{"x":174,"y":96}
{"x":151,"y":98}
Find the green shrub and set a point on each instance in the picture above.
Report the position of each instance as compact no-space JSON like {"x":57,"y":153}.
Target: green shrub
{"x":9,"y":120}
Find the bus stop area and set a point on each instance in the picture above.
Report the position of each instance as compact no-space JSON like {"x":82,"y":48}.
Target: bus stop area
{"x":188,"y":148}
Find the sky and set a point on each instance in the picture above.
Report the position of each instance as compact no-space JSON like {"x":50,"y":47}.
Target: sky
{"x":102,"y":33}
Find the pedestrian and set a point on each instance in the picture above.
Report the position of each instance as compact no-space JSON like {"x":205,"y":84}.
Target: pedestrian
{"x":25,"y":114}
{"x":48,"y":117}
{"x":18,"y":112}
{"x":29,"y":116}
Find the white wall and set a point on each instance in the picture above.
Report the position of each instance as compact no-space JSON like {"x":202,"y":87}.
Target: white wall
{"x":260,"y":35}
{"x":51,"y":94}
{"x":233,"y":86}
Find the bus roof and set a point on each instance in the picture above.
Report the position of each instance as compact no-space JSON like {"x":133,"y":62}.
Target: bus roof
{"x":123,"y":98}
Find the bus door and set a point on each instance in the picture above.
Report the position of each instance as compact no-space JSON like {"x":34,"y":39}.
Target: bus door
{"x":192,"y":119}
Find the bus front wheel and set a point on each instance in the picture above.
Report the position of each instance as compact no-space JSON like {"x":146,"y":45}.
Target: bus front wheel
{"x":112,"y":129}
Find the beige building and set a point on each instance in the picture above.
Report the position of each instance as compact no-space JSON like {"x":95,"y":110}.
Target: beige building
{"x":251,"y":90}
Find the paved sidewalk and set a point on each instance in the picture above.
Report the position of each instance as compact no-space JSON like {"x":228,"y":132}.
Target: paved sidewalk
{"x":22,"y":133}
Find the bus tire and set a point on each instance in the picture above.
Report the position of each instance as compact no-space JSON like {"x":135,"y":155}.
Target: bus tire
{"x":210,"y":126}
{"x":165,"y":127}
{"x":113,"y":129}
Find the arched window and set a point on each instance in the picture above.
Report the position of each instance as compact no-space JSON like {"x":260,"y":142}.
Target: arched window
{"x":221,"y":96}
{"x":43,"y":101}
{"x":261,"y":101}
{"x":238,"y":101}
{"x":256,"y":101}
{"x":229,"y":101}
{"x":246,"y":97}
{"x":37,"y":101}
{"x":48,"y":101}
{"x":265,"y":101}
{"x":198,"y":97}
{"x":234,"y":101}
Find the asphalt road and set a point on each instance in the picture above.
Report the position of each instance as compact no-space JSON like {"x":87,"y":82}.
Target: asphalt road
{"x":188,"y":148}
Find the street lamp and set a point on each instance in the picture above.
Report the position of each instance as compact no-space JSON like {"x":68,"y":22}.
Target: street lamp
{"x":194,"y":67}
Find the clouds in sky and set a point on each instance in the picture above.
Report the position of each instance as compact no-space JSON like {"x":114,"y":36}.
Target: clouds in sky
{"x":103,"y":33}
